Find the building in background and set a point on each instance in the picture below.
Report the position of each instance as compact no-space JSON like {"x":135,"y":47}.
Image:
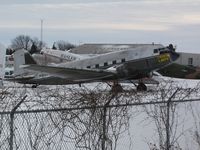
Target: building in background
{"x":105,"y":48}
{"x":189,"y":59}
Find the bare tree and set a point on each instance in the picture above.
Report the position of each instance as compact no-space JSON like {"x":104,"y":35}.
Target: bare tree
{"x":93,"y":127}
{"x":166,"y":116}
{"x":26,"y":42}
{"x":86,"y":121}
{"x":63,"y":45}
{"x":196,"y":127}
{"x":22,"y":42}
{"x":39,"y":44}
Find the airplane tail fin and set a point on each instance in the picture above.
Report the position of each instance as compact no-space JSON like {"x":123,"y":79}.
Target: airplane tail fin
{"x":2,"y":63}
{"x":22,"y":57}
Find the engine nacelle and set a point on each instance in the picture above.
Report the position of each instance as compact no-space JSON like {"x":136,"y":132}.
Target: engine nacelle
{"x":128,"y":72}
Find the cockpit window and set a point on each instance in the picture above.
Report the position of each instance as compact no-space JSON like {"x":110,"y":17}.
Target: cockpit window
{"x":155,"y":51}
{"x":161,"y":49}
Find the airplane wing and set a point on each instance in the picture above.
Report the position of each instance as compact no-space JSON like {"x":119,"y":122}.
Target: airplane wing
{"x":180,"y":71}
{"x":71,"y":73}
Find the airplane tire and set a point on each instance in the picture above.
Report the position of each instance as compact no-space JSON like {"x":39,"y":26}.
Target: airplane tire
{"x":141,"y":87}
{"x":34,"y":86}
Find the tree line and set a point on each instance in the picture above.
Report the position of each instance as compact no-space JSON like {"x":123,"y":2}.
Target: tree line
{"x":33,"y":45}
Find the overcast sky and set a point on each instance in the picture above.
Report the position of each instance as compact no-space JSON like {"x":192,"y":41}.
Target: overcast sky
{"x":105,"y":21}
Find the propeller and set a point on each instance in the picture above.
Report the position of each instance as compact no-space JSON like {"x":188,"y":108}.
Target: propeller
{"x":173,"y":52}
{"x":171,"y":47}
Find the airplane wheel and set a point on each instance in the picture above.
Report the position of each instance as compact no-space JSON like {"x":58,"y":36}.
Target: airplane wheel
{"x":141,"y":87}
{"x":34,"y":86}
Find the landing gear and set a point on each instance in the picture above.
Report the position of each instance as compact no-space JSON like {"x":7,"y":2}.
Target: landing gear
{"x":141,"y":87}
{"x":117,"y":88}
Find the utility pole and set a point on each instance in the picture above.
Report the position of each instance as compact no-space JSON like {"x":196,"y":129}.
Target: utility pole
{"x":41,"y":36}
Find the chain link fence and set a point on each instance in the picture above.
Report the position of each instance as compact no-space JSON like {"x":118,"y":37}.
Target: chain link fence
{"x":86,"y":118}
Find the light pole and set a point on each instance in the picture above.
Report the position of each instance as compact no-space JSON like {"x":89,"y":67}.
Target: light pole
{"x":41,"y":36}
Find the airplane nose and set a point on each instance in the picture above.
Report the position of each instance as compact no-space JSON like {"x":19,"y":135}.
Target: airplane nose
{"x":174,"y":55}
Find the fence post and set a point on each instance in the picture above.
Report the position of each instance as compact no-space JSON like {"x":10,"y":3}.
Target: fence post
{"x":103,"y":142}
{"x":167,"y":126}
{"x":12,"y":122}
{"x":104,"y":128}
{"x":168,"y":120}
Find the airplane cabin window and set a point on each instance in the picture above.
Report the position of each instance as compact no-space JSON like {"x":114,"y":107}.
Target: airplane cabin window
{"x":97,"y":65}
{"x":114,"y":61}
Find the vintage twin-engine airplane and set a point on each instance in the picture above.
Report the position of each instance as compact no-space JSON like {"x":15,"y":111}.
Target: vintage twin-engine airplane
{"x":130,"y":64}
{"x":135,"y":63}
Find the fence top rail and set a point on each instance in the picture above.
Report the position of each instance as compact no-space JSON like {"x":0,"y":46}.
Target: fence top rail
{"x":98,"y":106}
